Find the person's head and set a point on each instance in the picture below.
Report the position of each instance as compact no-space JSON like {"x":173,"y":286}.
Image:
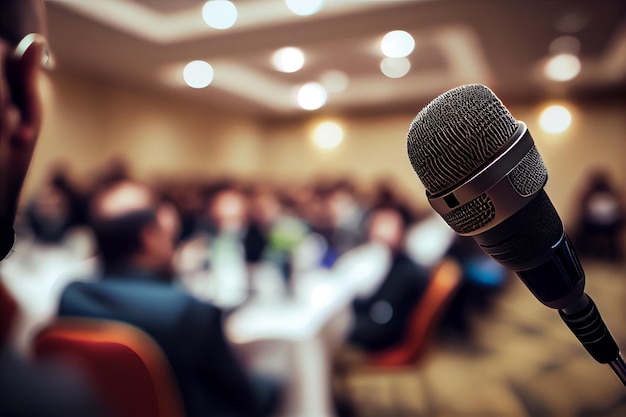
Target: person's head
{"x":228,"y":210}
{"x":23,"y":52}
{"x":134,"y":228}
{"x":49,"y":214}
{"x":387,"y":225}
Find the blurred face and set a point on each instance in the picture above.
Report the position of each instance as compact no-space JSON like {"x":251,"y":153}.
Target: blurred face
{"x":168,"y":221}
{"x":160,"y":241}
{"x":229,"y":210}
{"x":386,"y":227}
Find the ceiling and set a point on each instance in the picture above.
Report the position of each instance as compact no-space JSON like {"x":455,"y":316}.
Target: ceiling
{"x":144,"y":44}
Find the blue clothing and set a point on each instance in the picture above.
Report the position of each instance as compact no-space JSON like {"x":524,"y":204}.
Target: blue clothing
{"x":190,"y":332}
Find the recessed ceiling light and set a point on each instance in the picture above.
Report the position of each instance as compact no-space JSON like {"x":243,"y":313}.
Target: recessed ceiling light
{"x":288,"y":59}
{"x":395,"y":67}
{"x":198,"y":74}
{"x":562,"y":67}
{"x":304,"y":7}
{"x":565,"y":45}
{"x":219,"y":14}
{"x":328,"y":135}
{"x":312,"y":96}
{"x":334,"y":81}
{"x":397,"y":44}
{"x":555,"y":119}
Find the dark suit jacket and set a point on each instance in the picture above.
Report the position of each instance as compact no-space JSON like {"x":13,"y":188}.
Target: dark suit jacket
{"x":189,"y":331}
{"x":381,"y":320}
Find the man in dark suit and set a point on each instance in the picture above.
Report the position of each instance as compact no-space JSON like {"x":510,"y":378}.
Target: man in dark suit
{"x":136,"y":233}
{"x":382,"y":315}
{"x":26,"y":389}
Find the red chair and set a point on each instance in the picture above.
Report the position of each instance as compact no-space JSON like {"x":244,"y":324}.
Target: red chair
{"x":126,"y":367}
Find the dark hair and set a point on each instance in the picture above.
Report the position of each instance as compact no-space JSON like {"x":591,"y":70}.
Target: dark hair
{"x":407,"y":217}
{"x":119,"y":238}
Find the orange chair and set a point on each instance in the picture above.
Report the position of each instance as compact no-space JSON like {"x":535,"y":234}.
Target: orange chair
{"x":425,"y":318}
{"x":127,"y":368}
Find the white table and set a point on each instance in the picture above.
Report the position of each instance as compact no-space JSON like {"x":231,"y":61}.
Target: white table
{"x":295,"y":336}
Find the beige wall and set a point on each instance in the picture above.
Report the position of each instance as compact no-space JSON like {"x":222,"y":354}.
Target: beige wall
{"x":87,"y":123}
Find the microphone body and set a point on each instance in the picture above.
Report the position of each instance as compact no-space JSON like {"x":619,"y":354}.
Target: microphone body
{"x":485,"y":177}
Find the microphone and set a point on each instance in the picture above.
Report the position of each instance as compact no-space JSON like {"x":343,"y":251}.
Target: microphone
{"x":484,"y":176}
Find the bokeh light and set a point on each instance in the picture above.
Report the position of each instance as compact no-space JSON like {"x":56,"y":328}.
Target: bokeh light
{"x":304,"y":7}
{"x":198,"y":74}
{"x":288,"y":59}
{"x":328,"y":135}
{"x":312,"y":96}
{"x":562,"y":67}
{"x":395,"y":67}
{"x":397,"y":44}
{"x":219,"y":14}
{"x":334,"y":81}
{"x":555,"y":119}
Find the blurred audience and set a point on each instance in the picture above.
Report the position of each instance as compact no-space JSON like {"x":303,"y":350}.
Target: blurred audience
{"x":136,"y":233}
{"x":26,"y":389}
{"x":601,"y":220}
{"x":237,"y":242}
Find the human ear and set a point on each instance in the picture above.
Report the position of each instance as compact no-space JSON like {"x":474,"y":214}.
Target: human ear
{"x":26,"y":96}
{"x":23,"y":77}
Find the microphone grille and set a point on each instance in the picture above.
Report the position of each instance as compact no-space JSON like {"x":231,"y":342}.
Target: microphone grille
{"x":457,"y":133}
{"x":530,"y":175}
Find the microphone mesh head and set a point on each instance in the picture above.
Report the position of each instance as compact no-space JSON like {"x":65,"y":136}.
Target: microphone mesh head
{"x":457,"y":133}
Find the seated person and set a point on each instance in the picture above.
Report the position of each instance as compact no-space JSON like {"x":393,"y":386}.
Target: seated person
{"x":382,"y":316}
{"x":136,"y":234}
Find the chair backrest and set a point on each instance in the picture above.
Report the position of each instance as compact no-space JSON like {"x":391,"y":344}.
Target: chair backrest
{"x":425,"y":317}
{"x":126,"y":367}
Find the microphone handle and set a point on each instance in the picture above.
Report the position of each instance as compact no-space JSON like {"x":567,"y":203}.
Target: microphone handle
{"x":619,"y":367}
{"x":585,"y":321}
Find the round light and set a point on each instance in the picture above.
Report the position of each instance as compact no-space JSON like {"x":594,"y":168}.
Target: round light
{"x":328,"y":135}
{"x":219,"y":14}
{"x":334,"y":81}
{"x":304,"y":7}
{"x":395,"y":67}
{"x":562,"y":67}
{"x":565,"y":45}
{"x":288,"y":59}
{"x":198,"y":74}
{"x":311,"y":96}
{"x":397,"y":44}
{"x":555,"y":119}
{"x":572,"y":22}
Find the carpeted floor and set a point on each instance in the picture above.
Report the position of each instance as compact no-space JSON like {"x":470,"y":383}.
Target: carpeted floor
{"x":519,"y":360}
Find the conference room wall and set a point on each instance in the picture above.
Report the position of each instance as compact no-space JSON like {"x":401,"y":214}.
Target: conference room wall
{"x":87,"y":123}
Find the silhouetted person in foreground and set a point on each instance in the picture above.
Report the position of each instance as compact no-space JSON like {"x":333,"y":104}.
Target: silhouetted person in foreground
{"x":26,"y":389}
